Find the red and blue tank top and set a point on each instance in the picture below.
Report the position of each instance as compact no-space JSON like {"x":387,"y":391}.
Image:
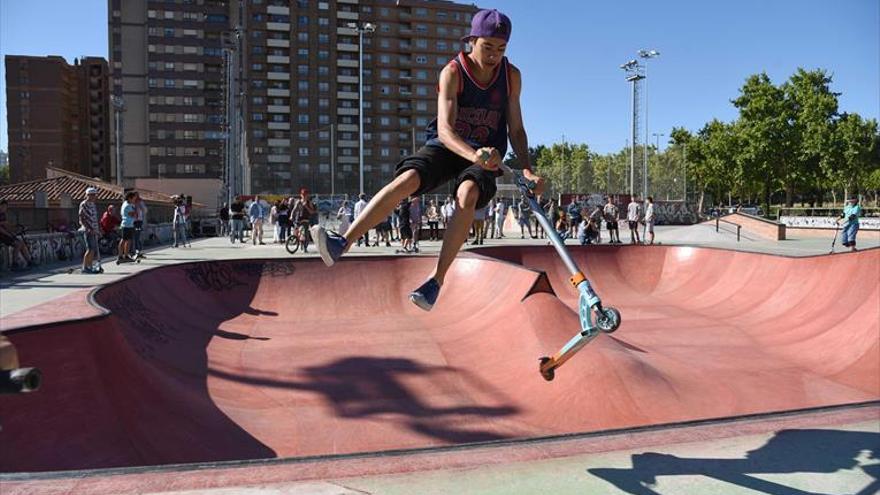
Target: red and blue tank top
{"x":482,"y":110}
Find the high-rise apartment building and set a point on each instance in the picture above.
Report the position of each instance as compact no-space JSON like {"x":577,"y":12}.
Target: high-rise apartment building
{"x":295,"y":89}
{"x":57,"y":116}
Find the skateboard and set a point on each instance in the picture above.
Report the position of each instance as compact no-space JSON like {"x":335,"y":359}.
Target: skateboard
{"x":594,"y":317}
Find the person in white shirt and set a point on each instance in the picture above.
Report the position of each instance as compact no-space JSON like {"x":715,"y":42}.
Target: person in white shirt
{"x":649,"y":220}
{"x":358,"y":209}
{"x":500,"y":212}
{"x":633,"y":213}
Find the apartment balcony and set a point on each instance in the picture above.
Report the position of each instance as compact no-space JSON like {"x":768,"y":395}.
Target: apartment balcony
{"x":279,"y":142}
{"x":279,"y":126}
{"x":278,"y":76}
{"x":278,"y":43}
{"x":347,"y":79}
{"x":278,"y":92}
{"x":346,"y":111}
{"x":278,"y":109}
{"x":347,"y":159}
{"x":349,"y":16}
{"x":346,"y":95}
{"x":346,"y":47}
{"x":278,"y":158}
{"x":347,"y":144}
{"x":277,"y":9}
{"x":352,"y":2}
{"x":278,"y":26}
{"x":346,"y":63}
{"x":277,"y":59}
{"x":345,"y":31}
{"x":347,"y":127}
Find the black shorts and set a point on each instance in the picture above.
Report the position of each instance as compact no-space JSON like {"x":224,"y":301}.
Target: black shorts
{"x":611,"y":225}
{"x":127,"y":233}
{"x":437,"y":166}
{"x":406,"y":231}
{"x":633,"y":225}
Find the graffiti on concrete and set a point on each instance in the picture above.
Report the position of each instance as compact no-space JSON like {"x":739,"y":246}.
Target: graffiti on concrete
{"x":869,"y":223}
{"x":58,"y":247}
{"x":674,"y":213}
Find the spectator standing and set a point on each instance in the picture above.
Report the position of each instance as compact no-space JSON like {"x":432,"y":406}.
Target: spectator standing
{"x":611,"y":214}
{"x":596,"y":222}
{"x":479,"y":225}
{"x":223,"y":214}
{"x":447,"y":210}
{"x":574,"y":214}
{"x":406,"y":233}
{"x":500,"y":217}
{"x":358,"y":209}
{"x":649,"y":220}
{"x":236,"y":213}
{"x":257,"y":213}
{"x":283,"y":220}
{"x":179,"y":222}
{"x":525,"y":221}
{"x":433,"y":221}
{"x":127,"y":212}
{"x":273,"y":219}
{"x":633,"y":214}
{"x":140,"y":218}
{"x":415,"y":219}
{"x":851,"y":213}
{"x":490,"y":219}
{"x":88,"y":221}
{"x":344,"y":215}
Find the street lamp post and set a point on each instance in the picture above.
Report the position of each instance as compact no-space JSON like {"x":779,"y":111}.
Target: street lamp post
{"x":361,"y":29}
{"x":646,"y":54}
{"x":634,"y":75}
{"x":118,"y":108}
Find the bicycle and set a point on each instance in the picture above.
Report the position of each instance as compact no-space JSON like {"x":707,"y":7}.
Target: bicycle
{"x":299,"y":237}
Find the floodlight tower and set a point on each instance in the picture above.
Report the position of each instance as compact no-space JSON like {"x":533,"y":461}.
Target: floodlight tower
{"x":633,"y":75}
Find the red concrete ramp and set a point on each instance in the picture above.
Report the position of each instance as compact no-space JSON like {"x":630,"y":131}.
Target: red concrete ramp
{"x":261,"y":359}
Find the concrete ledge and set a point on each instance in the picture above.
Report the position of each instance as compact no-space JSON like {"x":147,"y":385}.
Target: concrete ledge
{"x":767,"y":229}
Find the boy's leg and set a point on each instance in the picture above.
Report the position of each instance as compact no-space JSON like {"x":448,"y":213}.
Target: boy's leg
{"x":456,"y":232}
{"x":382,"y":204}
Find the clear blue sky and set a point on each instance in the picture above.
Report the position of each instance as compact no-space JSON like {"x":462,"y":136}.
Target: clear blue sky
{"x":570,"y":51}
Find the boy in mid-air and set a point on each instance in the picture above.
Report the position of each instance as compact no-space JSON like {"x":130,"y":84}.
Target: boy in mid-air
{"x":478,"y":109}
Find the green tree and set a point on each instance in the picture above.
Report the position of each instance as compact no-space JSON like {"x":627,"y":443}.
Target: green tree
{"x":814,"y":111}
{"x":856,"y":152}
{"x":766,"y":155}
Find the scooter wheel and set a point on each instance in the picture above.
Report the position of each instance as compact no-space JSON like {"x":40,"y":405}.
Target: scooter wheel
{"x":609,"y":320}
{"x":549,"y":373}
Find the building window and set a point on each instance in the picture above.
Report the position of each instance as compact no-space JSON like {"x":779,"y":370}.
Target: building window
{"x":302,"y":70}
{"x":302,"y":85}
{"x":323,"y":55}
{"x":323,"y":103}
{"x":302,"y":102}
{"x":302,"y":118}
{"x":302,"y":52}
{"x":303,"y":152}
{"x":303,"y":20}
{"x":257,"y":117}
{"x":302,"y":37}
{"x":323,"y":87}
{"x":323,"y":38}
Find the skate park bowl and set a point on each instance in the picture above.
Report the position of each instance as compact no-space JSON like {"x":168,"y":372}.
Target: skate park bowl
{"x":248,"y":360}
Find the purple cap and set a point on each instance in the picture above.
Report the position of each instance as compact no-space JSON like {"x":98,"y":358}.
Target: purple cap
{"x":489,"y":24}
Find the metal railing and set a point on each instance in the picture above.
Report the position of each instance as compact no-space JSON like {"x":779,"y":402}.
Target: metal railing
{"x":718,"y":221}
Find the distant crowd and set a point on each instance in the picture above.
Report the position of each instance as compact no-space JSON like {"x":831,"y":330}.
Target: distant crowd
{"x":413,"y":220}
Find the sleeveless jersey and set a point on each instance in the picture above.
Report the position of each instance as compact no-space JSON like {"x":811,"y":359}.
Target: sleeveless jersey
{"x":482,"y":110}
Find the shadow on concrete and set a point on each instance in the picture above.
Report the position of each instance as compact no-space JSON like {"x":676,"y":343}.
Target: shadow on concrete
{"x":789,"y":451}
